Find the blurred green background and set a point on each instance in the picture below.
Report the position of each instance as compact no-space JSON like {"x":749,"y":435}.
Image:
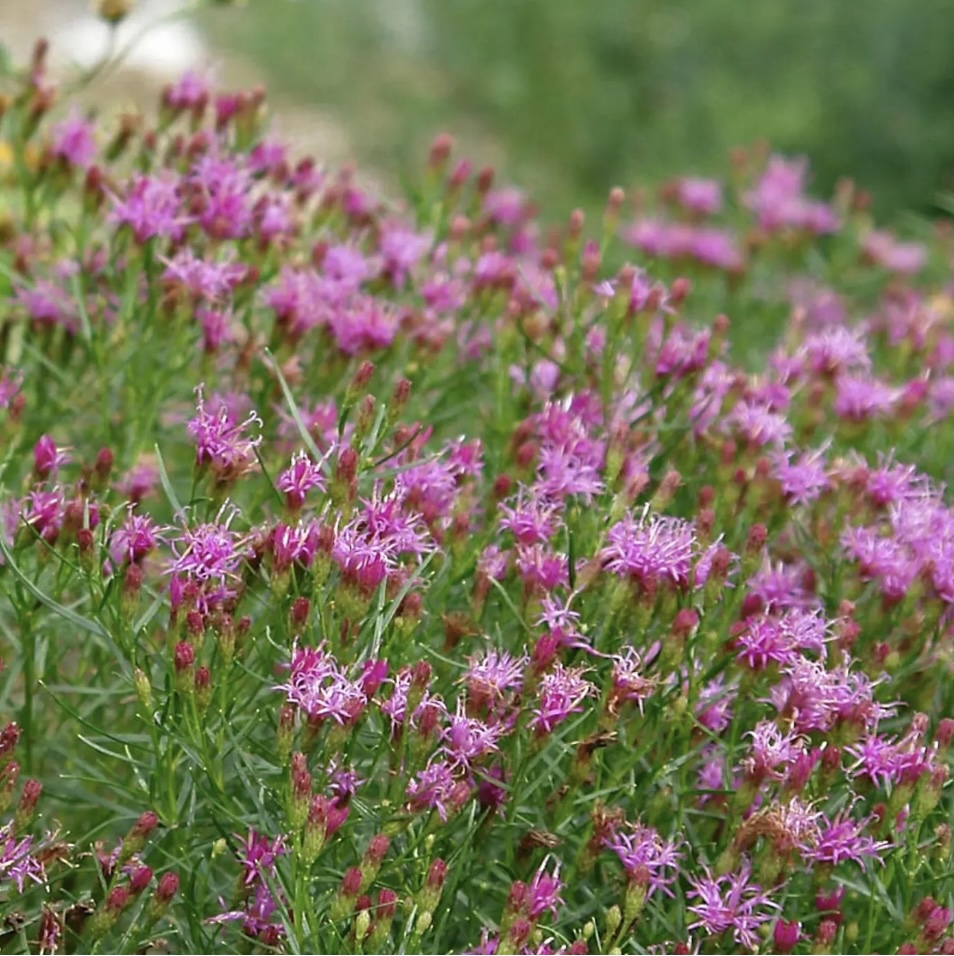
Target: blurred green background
{"x":569,"y":97}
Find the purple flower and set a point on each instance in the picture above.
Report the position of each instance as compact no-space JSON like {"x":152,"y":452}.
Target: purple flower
{"x":803,"y":480}
{"x":700,"y":196}
{"x":258,"y":856}
{"x":771,"y":751}
{"x":223,"y":190}
{"x":531,"y":519}
{"x":731,"y":902}
{"x":47,"y":457}
{"x":904,"y":257}
{"x":16,"y":862}
{"x":834,"y":350}
{"x":220,"y":441}
{"x":646,"y":856}
{"x":629,"y":682}
{"x":151,"y":207}
{"x":133,"y":539}
{"x":72,"y":140}
{"x":433,"y":788}
{"x":543,"y":893}
{"x":651,"y":549}
{"x":365,"y":324}
{"x":843,"y":839}
{"x":778,"y":199}
{"x":467,"y":739}
{"x":212,"y":281}
{"x":858,"y":398}
{"x":888,"y":762}
{"x":320,"y":687}
{"x":561,"y":693}
{"x":757,"y":424}
{"x":208,"y":552}
{"x":491,"y":677}
{"x":299,"y":478}
{"x":189,"y":91}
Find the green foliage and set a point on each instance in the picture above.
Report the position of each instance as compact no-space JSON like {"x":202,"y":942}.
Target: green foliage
{"x":575,"y":97}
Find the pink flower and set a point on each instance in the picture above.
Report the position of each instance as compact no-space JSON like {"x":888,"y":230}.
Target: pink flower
{"x":72,"y":140}
{"x":490,"y":678}
{"x":843,"y":839}
{"x":434,"y":788}
{"x":531,"y":520}
{"x":757,"y":424}
{"x":213,"y":281}
{"x":543,"y":893}
{"x":651,"y":549}
{"x":17,"y":864}
{"x":133,"y":540}
{"x":646,"y":856}
{"x":467,"y":739}
{"x":629,"y":682}
{"x":731,"y":902}
{"x":220,"y":440}
{"x":320,"y":687}
{"x":151,"y":207}
{"x":561,"y":693}
{"x":701,"y":196}
{"x":299,"y":478}
{"x":48,"y":458}
{"x":904,"y":257}
{"x":803,"y":480}
{"x":778,"y":200}
{"x":208,"y":552}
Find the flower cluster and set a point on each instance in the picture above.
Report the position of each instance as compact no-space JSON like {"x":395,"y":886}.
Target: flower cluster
{"x":507,"y":595}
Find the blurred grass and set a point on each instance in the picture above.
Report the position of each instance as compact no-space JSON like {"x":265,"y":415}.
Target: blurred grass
{"x":569,"y":98}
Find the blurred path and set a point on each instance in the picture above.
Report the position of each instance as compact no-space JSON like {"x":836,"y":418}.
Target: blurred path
{"x":165,"y":47}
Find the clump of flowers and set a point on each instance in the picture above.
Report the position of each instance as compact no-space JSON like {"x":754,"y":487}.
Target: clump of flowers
{"x":407,"y":577}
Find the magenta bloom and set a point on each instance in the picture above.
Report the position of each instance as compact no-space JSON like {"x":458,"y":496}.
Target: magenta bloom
{"x":433,"y":788}
{"x":700,"y":196}
{"x":904,"y":257}
{"x":212,"y":281}
{"x":47,"y":457}
{"x":17,"y":864}
{"x":151,"y":207}
{"x":72,"y":140}
{"x":731,"y":902}
{"x":467,"y":739}
{"x":543,"y":893}
{"x":492,"y":676}
{"x":804,"y":479}
{"x":208,"y":552}
{"x":320,"y":687}
{"x":220,"y":440}
{"x":133,"y":539}
{"x":562,"y":692}
{"x":646,"y":856}
{"x":299,"y":478}
{"x":258,"y":856}
{"x":844,"y":839}
{"x":651,"y":549}
{"x":779,"y":202}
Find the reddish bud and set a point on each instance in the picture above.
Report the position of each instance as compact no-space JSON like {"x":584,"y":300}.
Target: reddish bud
{"x":140,"y":879}
{"x":184,"y":656}
{"x":785,"y":936}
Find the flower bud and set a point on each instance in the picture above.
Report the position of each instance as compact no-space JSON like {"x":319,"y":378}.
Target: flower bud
{"x":112,"y":11}
{"x":136,"y":838}
{"x":143,"y":690}
{"x":141,"y":877}
{"x":430,"y":894}
{"x":373,"y":858}
{"x":26,"y":809}
{"x":785,"y":936}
